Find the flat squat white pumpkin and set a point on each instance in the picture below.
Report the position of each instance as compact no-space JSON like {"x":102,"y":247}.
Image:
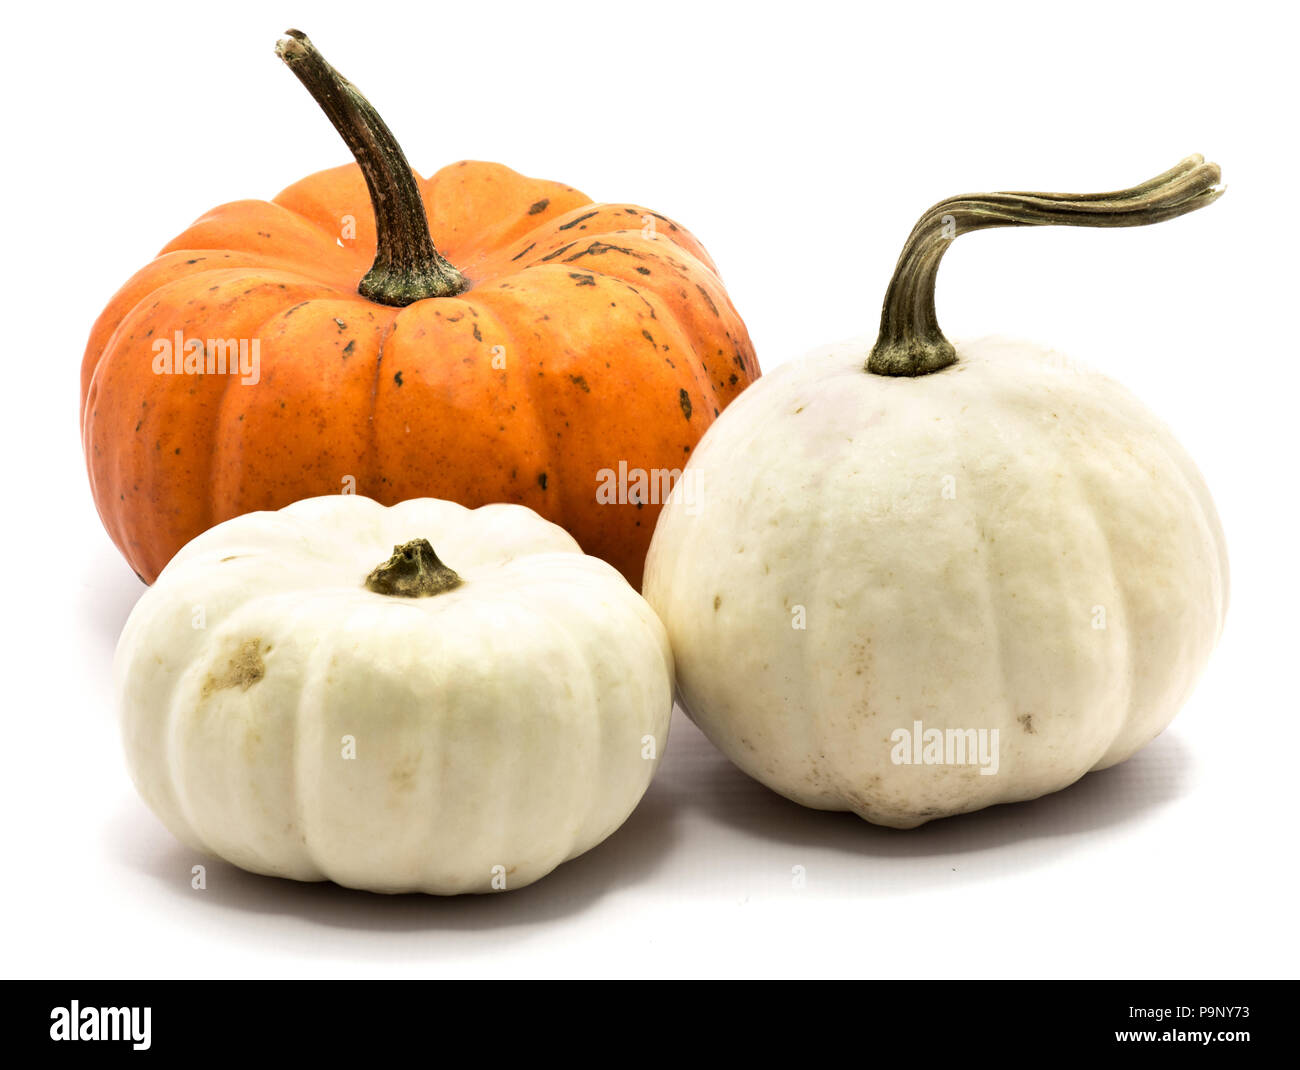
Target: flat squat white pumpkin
{"x":913,"y":581}
{"x":411,"y":728}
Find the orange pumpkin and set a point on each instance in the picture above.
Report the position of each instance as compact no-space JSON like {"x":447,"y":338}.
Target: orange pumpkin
{"x":572,"y":337}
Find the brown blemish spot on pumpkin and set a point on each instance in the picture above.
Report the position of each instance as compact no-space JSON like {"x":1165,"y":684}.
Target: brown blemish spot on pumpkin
{"x":558,"y":252}
{"x":574,"y":222}
{"x":397,"y":378}
{"x":232,"y":557}
{"x":541,"y":480}
{"x":342,"y":326}
{"x":402,"y":777}
{"x":478,"y":335}
{"x":583,"y":280}
{"x":523,"y":251}
{"x":717,"y":602}
{"x":245,"y":668}
{"x":1027,"y":723}
{"x":643,"y":270}
{"x":600,"y":248}
{"x":707,"y":299}
{"x":685,"y":400}
{"x":347,"y":349}
{"x":538,"y":206}
{"x":581,"y":383}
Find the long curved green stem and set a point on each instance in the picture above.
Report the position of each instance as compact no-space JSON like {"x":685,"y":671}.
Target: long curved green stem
{"x":910,"y":341}
{"x":407,"y":267}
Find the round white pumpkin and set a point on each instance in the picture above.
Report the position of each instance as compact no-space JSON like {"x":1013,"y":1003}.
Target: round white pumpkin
{"x":283,"y":715}
{"x":916,"y":580}
{"x":1011,"y":544}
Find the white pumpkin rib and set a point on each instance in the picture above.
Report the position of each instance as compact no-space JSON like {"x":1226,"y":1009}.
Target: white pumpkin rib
{"x":821,"y":751}
{"x":1014,"y":707}
{"x":315,"y":868}
{"x":815,"y":750}
{"x":993,"y":608}
{"x":188,"y":727}
{"x":583,"y":836}
{"x":511,"y":787}
{"x":148,"y":721}
{"x":1129,"y":672}
{"x":589,"y":827}
{"x":1142,"y":724}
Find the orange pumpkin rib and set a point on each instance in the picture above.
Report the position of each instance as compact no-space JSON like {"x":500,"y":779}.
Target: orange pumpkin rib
{"x":308,"y":428}
{"x":663,"y":267}
{"x":335,"y":200}
{"x":447,"y":422}
{"x":567,"y":233}
{"x":696,"y":297}
{"x":476,"y":208}
{"x":272,"y":230}
{"x":150,"y":436}
{"x":168,"y":268}
{"x":611,"y":393}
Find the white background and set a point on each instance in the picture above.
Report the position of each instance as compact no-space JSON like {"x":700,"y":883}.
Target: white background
{"x":799,"y":142}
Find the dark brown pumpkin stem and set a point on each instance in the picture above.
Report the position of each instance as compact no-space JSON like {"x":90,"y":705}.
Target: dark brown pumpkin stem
{"x":413,"y":571}
{"x":910,"y":341}
{"x":407,"y":267}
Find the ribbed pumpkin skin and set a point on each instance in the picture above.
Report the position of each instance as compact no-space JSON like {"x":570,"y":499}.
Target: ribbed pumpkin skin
{"x":1014,"y":545}
{"x":618,"y":340}
{"x":316,"y":730}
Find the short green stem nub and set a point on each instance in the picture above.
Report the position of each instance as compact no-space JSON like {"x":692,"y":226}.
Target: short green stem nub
{"x":910,"y":341}
{"x":407,"y":267}
{"x":413,"y":571}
